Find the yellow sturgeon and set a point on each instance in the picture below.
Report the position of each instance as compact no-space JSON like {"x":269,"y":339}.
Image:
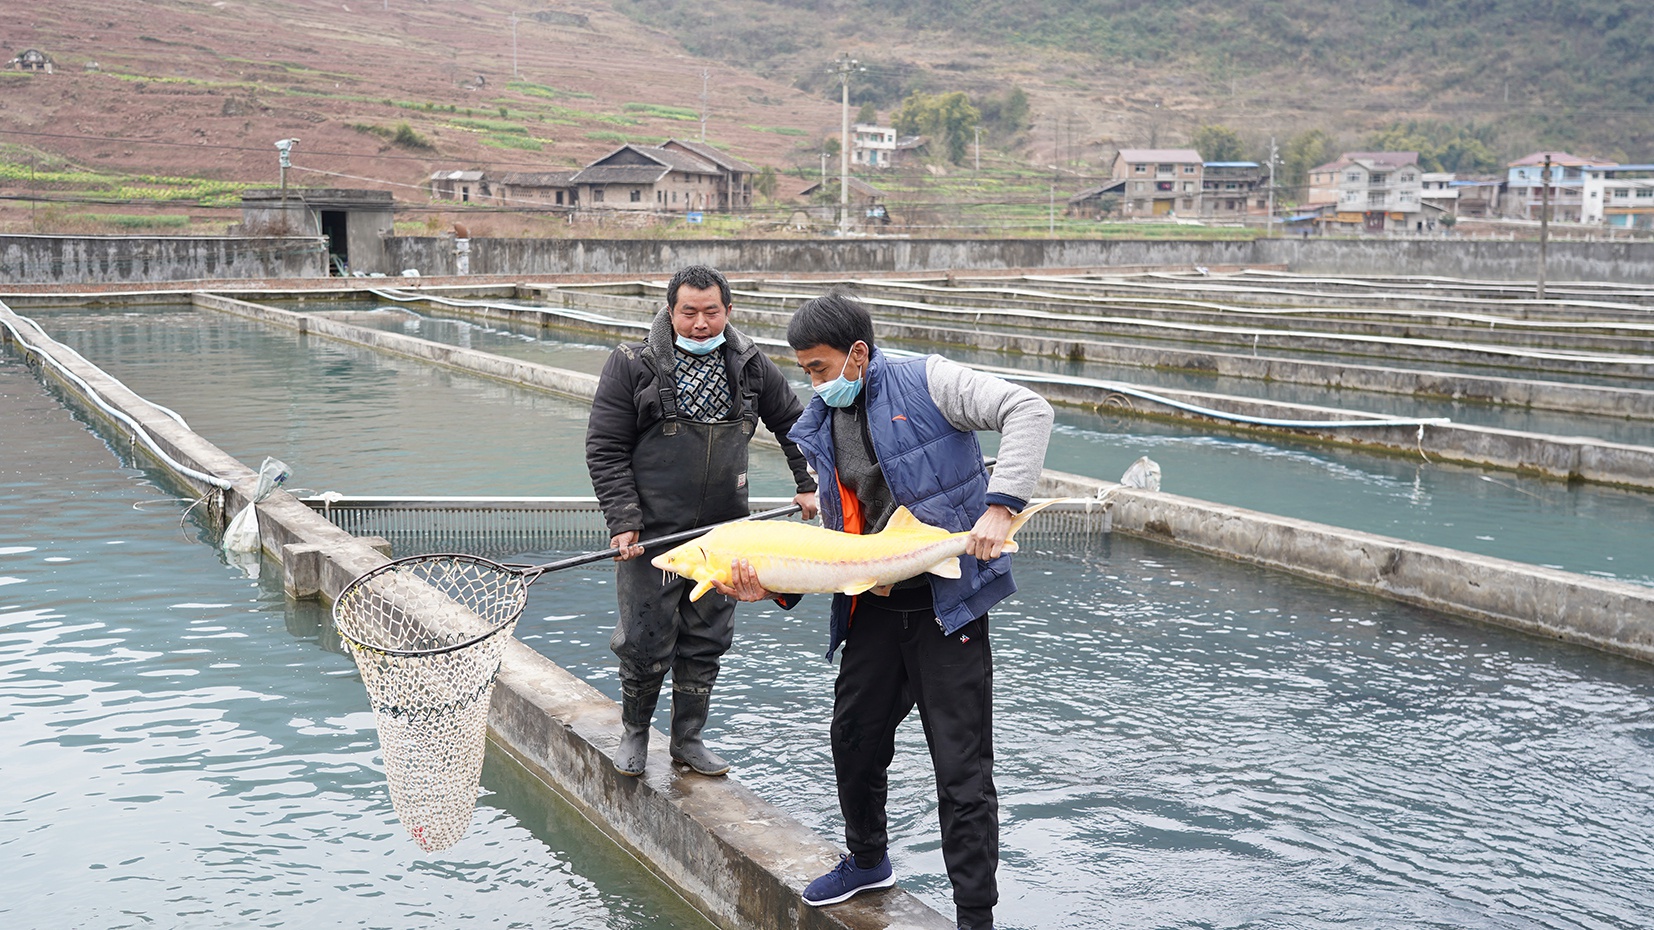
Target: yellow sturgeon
{"x":795,"y":558}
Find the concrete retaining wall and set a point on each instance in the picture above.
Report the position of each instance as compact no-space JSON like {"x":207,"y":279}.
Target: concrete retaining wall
{"x":95,"y":259}
{"x":115,"y":259}
{"x":1628,"y":262}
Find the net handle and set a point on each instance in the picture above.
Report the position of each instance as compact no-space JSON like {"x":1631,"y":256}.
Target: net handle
{"x":531,"y":572}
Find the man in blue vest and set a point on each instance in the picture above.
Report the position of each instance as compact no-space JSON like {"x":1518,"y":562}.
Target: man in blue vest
{"x":880,"y":433}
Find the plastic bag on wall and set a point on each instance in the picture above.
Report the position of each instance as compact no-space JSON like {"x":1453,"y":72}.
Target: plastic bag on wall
{"x":242,"y":533}
{"x":1143,"y":473}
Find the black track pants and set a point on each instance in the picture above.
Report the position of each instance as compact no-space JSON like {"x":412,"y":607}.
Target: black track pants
{"x":894,"y":660}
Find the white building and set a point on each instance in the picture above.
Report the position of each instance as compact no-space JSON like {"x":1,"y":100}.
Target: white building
{"x":1380,"y":191}
{"x":1619,"y":196}
{"x":876,"y":146}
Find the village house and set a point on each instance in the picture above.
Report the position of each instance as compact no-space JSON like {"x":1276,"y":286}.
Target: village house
{"x":1620,"y":196}
{"x":461,"y":185}
{"x":866,"y":202}
{"x":875,"y":146}
{"x":1160,"y":182}
{"x":1233,"y":189}
{"x":1438,"y":191}
{"x":1527,"y":186}
{"x":1098,"y":202}
{"x":649,"y":178}
{"x":529,"y":189}
{"x":1480,"y":196}
{"x":735,"y":176}
{"x":1377,"y":191}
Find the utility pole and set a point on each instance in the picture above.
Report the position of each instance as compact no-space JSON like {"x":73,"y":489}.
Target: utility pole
{"x":824,"y":168}
{"x":515,"y":74}
{"x":1051,"y":224}
{"x":706,"y":75}
{"x":978,"y":131}
{"x":1270,"y":222}
{"x":1544,"y":222}
{"x":846,"y":65}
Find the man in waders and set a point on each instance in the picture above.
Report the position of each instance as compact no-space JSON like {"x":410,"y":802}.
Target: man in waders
{"x":667,"y":450}
{"x":884,"y":432}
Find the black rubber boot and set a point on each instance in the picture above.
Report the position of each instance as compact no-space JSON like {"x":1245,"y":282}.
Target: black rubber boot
{"x":689,"y":709}
{"x":637,"y":710}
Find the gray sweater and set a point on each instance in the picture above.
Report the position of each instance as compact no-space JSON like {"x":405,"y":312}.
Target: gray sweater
{"x":973,"y":400}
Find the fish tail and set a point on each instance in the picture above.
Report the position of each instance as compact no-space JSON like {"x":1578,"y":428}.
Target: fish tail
{"x":1021,"y":519}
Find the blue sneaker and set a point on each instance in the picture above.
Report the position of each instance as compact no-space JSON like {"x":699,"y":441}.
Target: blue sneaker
{"x":846,"y":879}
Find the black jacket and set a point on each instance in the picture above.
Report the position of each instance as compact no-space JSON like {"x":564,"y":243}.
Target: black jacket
{"x":628,"y":405}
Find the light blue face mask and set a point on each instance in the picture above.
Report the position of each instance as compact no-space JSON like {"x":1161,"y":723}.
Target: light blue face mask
{"x":700,"y":346}
{"x":840,"y":392}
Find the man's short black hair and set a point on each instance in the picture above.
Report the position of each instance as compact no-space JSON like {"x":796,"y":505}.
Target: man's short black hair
{"x":699,"y":277}
{"x":835,"y":319}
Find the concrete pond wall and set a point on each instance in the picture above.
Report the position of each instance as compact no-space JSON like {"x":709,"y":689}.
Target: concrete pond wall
{"x":133,"y":259}
{"x":114,"y":259}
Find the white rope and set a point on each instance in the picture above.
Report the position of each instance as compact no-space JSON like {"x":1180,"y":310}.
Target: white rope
{"x":137,"y":430}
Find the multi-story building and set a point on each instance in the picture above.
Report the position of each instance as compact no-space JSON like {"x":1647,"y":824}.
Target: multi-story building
{"x":1527,"y":186}
{"x":1380,"y":191}
{"x":1621,"y":196}
{"x":1233,"y":189}
{"x":876,"y":146}
{"x":1160,"y":182}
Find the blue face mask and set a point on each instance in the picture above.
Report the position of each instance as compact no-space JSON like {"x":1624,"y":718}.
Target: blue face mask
{"x":840,"y":392}
{"x":701,"y":346}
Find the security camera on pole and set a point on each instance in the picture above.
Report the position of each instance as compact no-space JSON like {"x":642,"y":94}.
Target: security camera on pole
{"x":284,"y":152}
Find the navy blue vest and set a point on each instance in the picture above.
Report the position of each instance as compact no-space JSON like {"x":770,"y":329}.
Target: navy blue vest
{"x":934,"y":470}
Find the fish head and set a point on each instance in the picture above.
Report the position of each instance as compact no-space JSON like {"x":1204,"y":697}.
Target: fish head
{"x":688,"y":560}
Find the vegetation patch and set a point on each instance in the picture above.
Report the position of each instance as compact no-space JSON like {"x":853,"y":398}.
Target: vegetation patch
{"x":512,"y":142}
{"x":621,"y":138}
{"x":659,"y":111}
{"x":403,"y":135}
{"x":139,"y":221}
{"x":779,"y":130}
{"x":546,"y":91}
{"x":494,"y":126}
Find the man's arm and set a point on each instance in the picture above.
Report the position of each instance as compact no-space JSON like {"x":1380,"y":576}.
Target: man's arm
{"x":611,"y":436}
{"x":972,"y":400}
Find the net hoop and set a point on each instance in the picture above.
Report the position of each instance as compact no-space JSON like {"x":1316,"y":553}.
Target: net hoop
{"x":359,"y":604}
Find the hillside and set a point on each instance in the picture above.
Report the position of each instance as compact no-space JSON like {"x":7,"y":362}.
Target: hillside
{"x":187,"y":89}
{"x":187,"y":96}
{"x":1110,"y":73}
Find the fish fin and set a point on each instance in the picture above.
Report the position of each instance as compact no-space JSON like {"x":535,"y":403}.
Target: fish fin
{"x":947,"y":568}
{"x":1022,"y":519}
{"x":903,"y":521}
{"x":1010,"y":546}
{"x":859,"y":585}
{"x":700,"y":590}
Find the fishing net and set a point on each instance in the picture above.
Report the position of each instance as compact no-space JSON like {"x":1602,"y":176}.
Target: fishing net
{"x":427,"y":634}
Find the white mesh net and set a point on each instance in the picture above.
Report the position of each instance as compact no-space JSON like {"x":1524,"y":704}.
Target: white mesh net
{"x":428,"y":634}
